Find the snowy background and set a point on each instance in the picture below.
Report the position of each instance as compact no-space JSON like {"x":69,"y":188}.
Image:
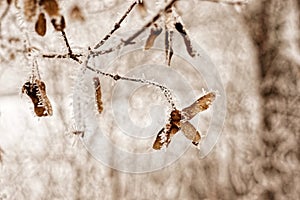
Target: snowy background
{"x":256,"y":51}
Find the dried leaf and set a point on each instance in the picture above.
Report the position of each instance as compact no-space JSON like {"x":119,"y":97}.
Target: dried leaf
{"x":40,"y":25}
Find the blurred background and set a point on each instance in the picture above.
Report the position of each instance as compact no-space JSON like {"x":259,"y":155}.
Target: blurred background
{"x":256,"y":50}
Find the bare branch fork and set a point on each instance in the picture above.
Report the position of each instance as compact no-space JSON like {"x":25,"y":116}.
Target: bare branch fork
{"x":129,"y":41}
{"x":70,"y":52}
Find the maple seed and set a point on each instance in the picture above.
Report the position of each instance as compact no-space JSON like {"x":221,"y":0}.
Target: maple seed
{"x":40,"y":25}
{"x":179,"y":121}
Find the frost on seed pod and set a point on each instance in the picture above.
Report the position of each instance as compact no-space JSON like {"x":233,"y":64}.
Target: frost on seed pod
{"x":36,"y":90}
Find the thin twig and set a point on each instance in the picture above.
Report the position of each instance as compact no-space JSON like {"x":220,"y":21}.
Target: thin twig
{"x":70,"y":52}
{"x":60,"y":55}
{"x":117,"y":77}
{"x":154,"y":19}
{"x":117,"y":26}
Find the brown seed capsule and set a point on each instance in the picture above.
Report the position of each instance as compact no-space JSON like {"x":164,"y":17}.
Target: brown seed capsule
{"x":36,"y":90}
{"x":98,"y":94}
{"x":188,"y":44}
{"x":40,"y":25}
{"x":50,"y":6}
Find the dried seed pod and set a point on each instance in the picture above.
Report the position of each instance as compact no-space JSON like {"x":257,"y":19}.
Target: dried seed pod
{"x":30,"y":7}
{"x":50,"y":6}
{"x":201,"y":104}
{"x":154,"y":33}
{"x":178,"y":121}
{"x":190,"y":132}
{"x":98,"y":94}
{"x":36,"y":90}
{"x":164,"y":136}
{"x":40,"y":25}
{"x":160,"y":139}
{"x":59,"y":26}
{"x":168,"y":46}
{"x":188,"y":44}
{"x":76,"y":14}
